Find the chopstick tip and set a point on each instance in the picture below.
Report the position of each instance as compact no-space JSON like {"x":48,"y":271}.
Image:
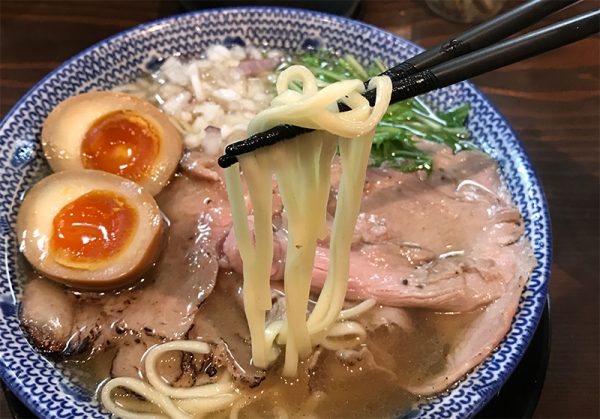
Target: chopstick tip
{"x":226,"y":160}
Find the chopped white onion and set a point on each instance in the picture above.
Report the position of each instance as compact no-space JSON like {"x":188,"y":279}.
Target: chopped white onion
{"x":212,"y":99}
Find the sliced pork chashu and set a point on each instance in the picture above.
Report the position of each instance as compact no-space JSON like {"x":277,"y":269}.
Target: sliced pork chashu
{"x":448,"y":241}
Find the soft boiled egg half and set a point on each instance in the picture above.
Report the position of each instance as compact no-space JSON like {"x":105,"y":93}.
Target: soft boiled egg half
{"x":89,"y":229}
{"x":113,"y":132}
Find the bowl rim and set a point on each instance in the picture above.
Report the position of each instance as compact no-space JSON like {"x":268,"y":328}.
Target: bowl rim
{"x":23,"y":393}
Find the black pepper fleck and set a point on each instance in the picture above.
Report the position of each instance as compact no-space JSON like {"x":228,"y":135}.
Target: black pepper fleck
{"x":211,"y":371}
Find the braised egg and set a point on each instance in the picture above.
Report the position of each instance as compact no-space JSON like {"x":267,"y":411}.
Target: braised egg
{"x":113,"y":132}
{"x":89,"y":229}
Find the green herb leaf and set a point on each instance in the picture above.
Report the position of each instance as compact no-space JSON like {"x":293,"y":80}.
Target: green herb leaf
{"x":394,"y":143}
{"x":457,"y":117}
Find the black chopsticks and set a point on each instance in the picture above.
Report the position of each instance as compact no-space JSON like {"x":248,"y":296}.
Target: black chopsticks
{"x":480,"y":36}
{"x":459,"y":59}
{"x":495,"y":56}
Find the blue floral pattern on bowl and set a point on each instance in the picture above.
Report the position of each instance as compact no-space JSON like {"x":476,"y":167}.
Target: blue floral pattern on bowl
{"x":47,"y":389}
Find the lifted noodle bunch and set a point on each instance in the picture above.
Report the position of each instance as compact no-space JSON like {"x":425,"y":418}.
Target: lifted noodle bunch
{"x":302,"y":168}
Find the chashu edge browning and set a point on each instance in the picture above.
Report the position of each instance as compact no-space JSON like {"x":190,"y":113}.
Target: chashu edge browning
{"x":453,"y":282}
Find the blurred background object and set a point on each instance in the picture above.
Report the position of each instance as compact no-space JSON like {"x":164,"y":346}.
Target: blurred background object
{"x":466,"y":11}
{"x":337,"y":7}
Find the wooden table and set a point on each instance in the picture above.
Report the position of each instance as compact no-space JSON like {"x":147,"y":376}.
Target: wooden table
{"x":551,"y":101}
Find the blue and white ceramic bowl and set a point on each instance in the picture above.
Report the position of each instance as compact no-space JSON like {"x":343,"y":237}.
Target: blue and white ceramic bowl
{"x":45,"y":389}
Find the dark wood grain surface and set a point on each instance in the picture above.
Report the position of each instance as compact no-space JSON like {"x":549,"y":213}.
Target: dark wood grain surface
{"x":552,"y":102}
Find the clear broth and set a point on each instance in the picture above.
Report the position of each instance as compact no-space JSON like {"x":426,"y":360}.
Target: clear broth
{"x":337,"y":388}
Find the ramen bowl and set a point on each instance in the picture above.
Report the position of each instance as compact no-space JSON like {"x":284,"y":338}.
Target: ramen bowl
{"x":46,"y":388}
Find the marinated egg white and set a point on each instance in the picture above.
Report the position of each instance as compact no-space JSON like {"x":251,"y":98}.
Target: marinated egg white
{"x":113,"y":132}
{"x":89,"y":229}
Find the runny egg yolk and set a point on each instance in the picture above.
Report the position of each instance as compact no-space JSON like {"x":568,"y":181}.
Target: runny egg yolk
{"x":92,"y":229}
{"x":122,"y":143}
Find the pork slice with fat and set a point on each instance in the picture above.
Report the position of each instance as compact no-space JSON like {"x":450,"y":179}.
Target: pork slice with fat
{"x":47,"y":314}
{"x":482,"y":335}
